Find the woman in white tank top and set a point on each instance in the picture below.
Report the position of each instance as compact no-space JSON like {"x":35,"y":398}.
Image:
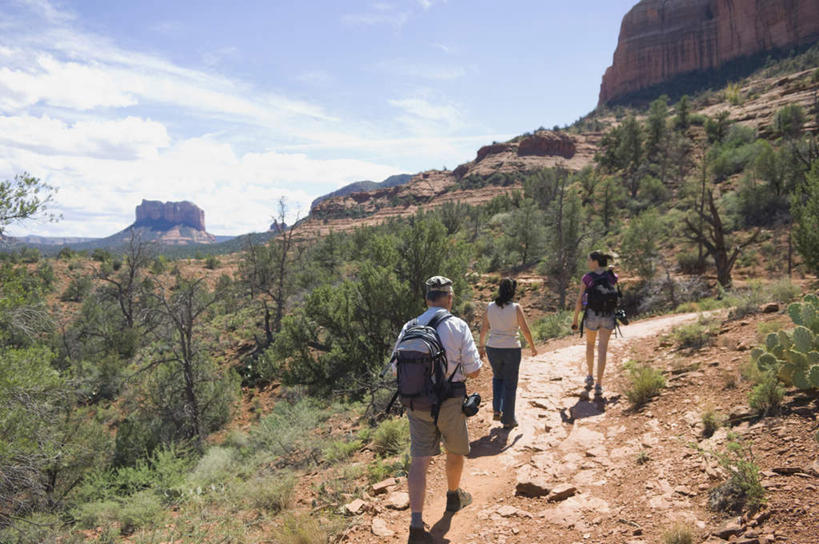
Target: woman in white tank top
{"x":502,"y":321}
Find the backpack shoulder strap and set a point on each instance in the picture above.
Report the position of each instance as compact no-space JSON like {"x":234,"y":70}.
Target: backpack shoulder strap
{"x":438,"y":318}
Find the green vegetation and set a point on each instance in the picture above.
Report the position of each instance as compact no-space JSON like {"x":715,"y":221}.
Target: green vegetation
{"x":645,"y":383}
{"x":643,"y":457}
{"x":695,"y":336}
{"x":679,"y":533}
{"x":711,"y":421}
{"x":121,"y":369}
{"x":791,"y":358}
{"x":743,"y":489}
{"x":391,"y":437}
{"x":555,"y":325}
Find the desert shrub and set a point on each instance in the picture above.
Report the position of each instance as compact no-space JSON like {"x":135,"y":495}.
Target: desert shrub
{"x":339,"y":450}
{"x":212,"y":262}
{"x":643,"y":457}
{"x":289,"y":428}
{"x":733,"y":94}
{"x":159,"y":265}
{"x":97,"y":513}
{"x":45,"y":273}
{"x":695,"y":336}
{"x":758,"y":204}
{"x":689,"y":263}
{"x":29,"y":255}
{"x":77,"y":289}
{"x":711,"y":421}
{"x":652,"y":190}
{"x":767,"y":395}
{"x":305,"y":529}
{"x":140,"y":510}
{"x":391,"y":437}
{"x":645,"y":383}
{"x":164,"y":470}
{"x":65,"y":254}
{"x":555,"y":325}
{"x":101,"y":255}
{"x":237,"y":439}
{"x":38,"y":528}
{"x":679,"y":533}
{"x":270,"y":494}
{"x":381,"y":469}
{"x":743,"y":488}
{"x":216,"y":466}
{"x":784,"y":291}
{"x":789,"y":121}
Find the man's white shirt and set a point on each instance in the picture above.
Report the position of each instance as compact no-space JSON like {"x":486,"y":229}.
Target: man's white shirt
{"x":457,"y":341}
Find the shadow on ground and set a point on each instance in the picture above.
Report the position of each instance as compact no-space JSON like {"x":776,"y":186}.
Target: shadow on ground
{"x":441,"y":528}
{"x":586,"y":407}
{"x":497,"y":441}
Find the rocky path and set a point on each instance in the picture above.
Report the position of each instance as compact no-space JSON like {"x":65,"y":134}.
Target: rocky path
{"x":549,"y":476}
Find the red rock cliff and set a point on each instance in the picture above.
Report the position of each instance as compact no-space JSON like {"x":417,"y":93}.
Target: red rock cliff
{"x":161,"y":215}
{"x":660,"y":39}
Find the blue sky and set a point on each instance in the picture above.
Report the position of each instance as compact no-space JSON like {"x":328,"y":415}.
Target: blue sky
{"x":234,"y":104}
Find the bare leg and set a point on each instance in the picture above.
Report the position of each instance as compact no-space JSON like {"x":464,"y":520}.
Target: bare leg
{"x":454,"y":468}
{"x":417,"y":483}
{"x":602,"y":352}
{"x":590,"y":338}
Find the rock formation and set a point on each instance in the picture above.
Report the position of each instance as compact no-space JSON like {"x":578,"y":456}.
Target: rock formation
{"x":661,"y":39}
{"x":164,"y":215}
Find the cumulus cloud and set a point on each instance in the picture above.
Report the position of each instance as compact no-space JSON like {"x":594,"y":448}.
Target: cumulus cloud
{"x":237,"y":191}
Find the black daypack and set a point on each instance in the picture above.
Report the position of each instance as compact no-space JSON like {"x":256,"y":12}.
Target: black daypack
{"x":422,"y":366}
{"x":603,"y":296}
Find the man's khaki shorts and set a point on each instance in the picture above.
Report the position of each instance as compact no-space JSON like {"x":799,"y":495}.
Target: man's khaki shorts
{"x":425,"y":437}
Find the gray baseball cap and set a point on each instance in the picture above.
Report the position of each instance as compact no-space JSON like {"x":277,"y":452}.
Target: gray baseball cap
{"x":439,"y":283}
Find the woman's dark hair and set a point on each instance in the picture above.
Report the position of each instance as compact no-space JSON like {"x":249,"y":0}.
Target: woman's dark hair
{"x":601,"y":258}
{"x":506,"y":292}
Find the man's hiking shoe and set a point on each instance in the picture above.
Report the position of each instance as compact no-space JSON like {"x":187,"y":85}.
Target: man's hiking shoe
{"x":496,"y":416}
{"x":457,"y":500}
{"x":598,"y":391}
{"x":589,"y":382}
{"x":510,"y":426}
{"x":419,"y":535}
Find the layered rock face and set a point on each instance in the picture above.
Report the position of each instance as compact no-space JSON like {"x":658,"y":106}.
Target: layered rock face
{"x":660,"y":39}
{"x":163,"y":215}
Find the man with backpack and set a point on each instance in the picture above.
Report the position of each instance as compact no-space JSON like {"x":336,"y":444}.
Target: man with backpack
{"x":434,"y":356}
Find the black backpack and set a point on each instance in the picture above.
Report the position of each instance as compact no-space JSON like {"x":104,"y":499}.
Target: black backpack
{"x":603,"y":296}
{"x":422,"y":366}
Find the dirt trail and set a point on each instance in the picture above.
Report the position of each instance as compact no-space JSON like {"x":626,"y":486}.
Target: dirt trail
{"x":563,"y":439}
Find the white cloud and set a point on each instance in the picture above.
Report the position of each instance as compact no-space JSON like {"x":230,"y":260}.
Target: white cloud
{"x":109,"y":126}
{"x":128,"y":138}
{"x":378,"y":14}
{"x":237,"y":191}
{"x":407,"y":68}
{"x":425,"y":117}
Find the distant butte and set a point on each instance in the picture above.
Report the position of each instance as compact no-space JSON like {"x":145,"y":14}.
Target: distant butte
{"x":164,"y":215}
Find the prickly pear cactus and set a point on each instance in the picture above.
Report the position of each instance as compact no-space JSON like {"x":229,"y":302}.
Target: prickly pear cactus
{"x":794,"y":355}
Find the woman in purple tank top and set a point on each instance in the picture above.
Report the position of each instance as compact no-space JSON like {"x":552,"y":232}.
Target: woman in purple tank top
{"x":597,"y":324}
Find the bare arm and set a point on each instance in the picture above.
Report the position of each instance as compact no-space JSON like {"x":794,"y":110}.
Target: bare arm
{"x":578,"y":307}
{"x":524,"y":327}
{"x":484,"y":331}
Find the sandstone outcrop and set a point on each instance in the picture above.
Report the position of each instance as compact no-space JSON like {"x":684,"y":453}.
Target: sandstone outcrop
{"x":661,"y":39}
{"x":546,"y":143}
{"x":164,"y":215}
